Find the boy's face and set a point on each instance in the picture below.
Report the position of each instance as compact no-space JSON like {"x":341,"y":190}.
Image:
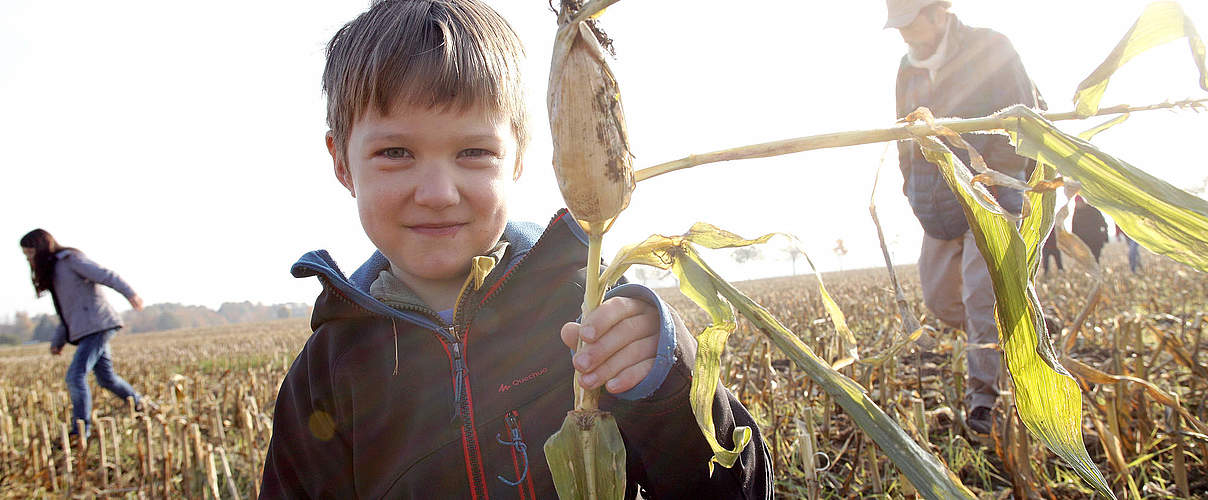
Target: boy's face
{"x":431,"y":189}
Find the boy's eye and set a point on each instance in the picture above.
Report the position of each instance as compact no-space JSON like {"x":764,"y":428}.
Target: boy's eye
{"x":396,"y":153}
{"x":477,"y":153}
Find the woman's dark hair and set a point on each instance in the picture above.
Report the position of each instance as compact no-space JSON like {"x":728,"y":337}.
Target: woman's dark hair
{"x":42,"y":269}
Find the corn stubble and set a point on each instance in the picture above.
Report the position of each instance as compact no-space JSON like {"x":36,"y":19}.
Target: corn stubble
{"x":215,"y":389}
{"x":594,"y":169}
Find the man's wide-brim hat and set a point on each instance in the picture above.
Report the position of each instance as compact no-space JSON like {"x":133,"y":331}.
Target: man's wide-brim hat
{"x":903,"y":12}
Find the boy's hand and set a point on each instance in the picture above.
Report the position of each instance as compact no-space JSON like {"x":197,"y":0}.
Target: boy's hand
{"x":620,"y":339}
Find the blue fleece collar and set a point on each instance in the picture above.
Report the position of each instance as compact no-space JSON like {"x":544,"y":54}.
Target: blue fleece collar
{"x":521,"y":236}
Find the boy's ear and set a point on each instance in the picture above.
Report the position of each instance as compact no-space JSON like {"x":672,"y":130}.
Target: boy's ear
{"x":341,"y":166}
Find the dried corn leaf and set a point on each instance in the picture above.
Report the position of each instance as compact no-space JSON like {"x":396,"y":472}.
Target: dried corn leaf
{"x":707,"y":289}
{"x":836,"y":314}
{"x":667,"y":252}
{"x":910,"y":325}
{"x":1090,"y":374}
{"x":1160,"y":23}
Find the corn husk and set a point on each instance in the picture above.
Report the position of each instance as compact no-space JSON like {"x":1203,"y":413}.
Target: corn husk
{"x":587,"y":457}
{"x":592,"y":160}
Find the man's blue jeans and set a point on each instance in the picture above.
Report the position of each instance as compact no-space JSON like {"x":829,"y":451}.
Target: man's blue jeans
{"x":92,"y":355}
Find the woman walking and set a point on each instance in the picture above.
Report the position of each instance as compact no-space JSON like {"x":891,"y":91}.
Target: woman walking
{"x":85,"y":318}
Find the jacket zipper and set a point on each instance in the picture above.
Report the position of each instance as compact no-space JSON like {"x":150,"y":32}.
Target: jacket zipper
{"x":463,"y":316}
{"x":465,"y":410}
{"x":455,"y":340}
{"x":459,"y":372}
{"x":461,"y":396}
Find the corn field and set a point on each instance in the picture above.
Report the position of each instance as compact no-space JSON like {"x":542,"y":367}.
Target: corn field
{"x":215,"y":389}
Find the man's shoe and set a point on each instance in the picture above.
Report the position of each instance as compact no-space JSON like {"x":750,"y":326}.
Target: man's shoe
{"x":981,"y":420}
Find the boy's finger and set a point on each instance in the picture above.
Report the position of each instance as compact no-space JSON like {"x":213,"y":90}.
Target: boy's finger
{"x":629,"y":377}
{"x":609,"y":342}
{"x":608,"y":367}
{"x":570,"y":335}
{"x":611,"y":312}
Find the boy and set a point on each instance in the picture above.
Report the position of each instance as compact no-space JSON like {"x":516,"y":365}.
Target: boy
{"x":435,"y":370}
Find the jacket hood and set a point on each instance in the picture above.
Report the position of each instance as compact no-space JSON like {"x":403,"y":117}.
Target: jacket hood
{"x":521,"y":237}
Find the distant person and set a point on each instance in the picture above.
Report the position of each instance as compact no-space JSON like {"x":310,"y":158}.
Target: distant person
{"x":1133,"y":253}
{"x":1089,"y":226}
{"x":85,"y":318}
{"x":441,"y":365}
{"x":958,"y":71}
{"x":1050,"y":250}
{"x":1134,"y":249}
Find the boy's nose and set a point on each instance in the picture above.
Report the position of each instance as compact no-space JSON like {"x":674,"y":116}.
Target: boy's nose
{"x":438,"y":189}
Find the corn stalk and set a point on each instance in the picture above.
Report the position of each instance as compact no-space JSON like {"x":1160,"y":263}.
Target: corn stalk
{"x":595,"y":174}
{"x":997,"y":122}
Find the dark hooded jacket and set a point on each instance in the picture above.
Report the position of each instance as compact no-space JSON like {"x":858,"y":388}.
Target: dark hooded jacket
{"x":387,"y":403}
{"x":982,"y":76}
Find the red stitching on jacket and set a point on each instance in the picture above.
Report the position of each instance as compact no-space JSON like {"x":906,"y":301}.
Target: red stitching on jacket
{"x":516,"y":470}
{"x":503,"y":278}
{"x":527,"y":480}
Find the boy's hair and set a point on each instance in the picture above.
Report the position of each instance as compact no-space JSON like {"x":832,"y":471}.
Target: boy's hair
{"x":453,"y":54}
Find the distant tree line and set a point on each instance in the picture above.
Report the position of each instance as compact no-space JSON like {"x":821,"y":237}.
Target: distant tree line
{"x":154,"y":318}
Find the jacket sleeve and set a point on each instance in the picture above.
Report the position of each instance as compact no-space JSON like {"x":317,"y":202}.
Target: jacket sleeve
{"x":667,"y":456}
{"x":309,"y":455}
{"x":60,"y":336}
{"x":92,"y":271}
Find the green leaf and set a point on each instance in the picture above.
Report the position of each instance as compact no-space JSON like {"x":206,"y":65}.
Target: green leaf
{"x":1161,"y":22}
{"x":1037,"y":225}
{"x":707,"y":289}
{"x":1159,"y":216}
{"x":1046,"y":396}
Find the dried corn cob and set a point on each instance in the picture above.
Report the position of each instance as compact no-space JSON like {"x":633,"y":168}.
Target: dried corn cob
{"x":591,"y":150}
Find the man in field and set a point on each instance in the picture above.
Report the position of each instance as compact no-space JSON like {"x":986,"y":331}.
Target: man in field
{"x":958,"y":71}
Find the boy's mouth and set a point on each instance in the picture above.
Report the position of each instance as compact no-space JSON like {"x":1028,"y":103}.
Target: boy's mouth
{"x":437,"y":229}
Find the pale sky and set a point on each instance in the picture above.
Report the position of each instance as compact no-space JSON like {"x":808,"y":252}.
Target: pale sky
{"x":181,"y":143}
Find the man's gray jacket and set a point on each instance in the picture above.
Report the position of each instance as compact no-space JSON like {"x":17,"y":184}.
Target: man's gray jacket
{"x":982,"y":76}
{"x":82,"y":308}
